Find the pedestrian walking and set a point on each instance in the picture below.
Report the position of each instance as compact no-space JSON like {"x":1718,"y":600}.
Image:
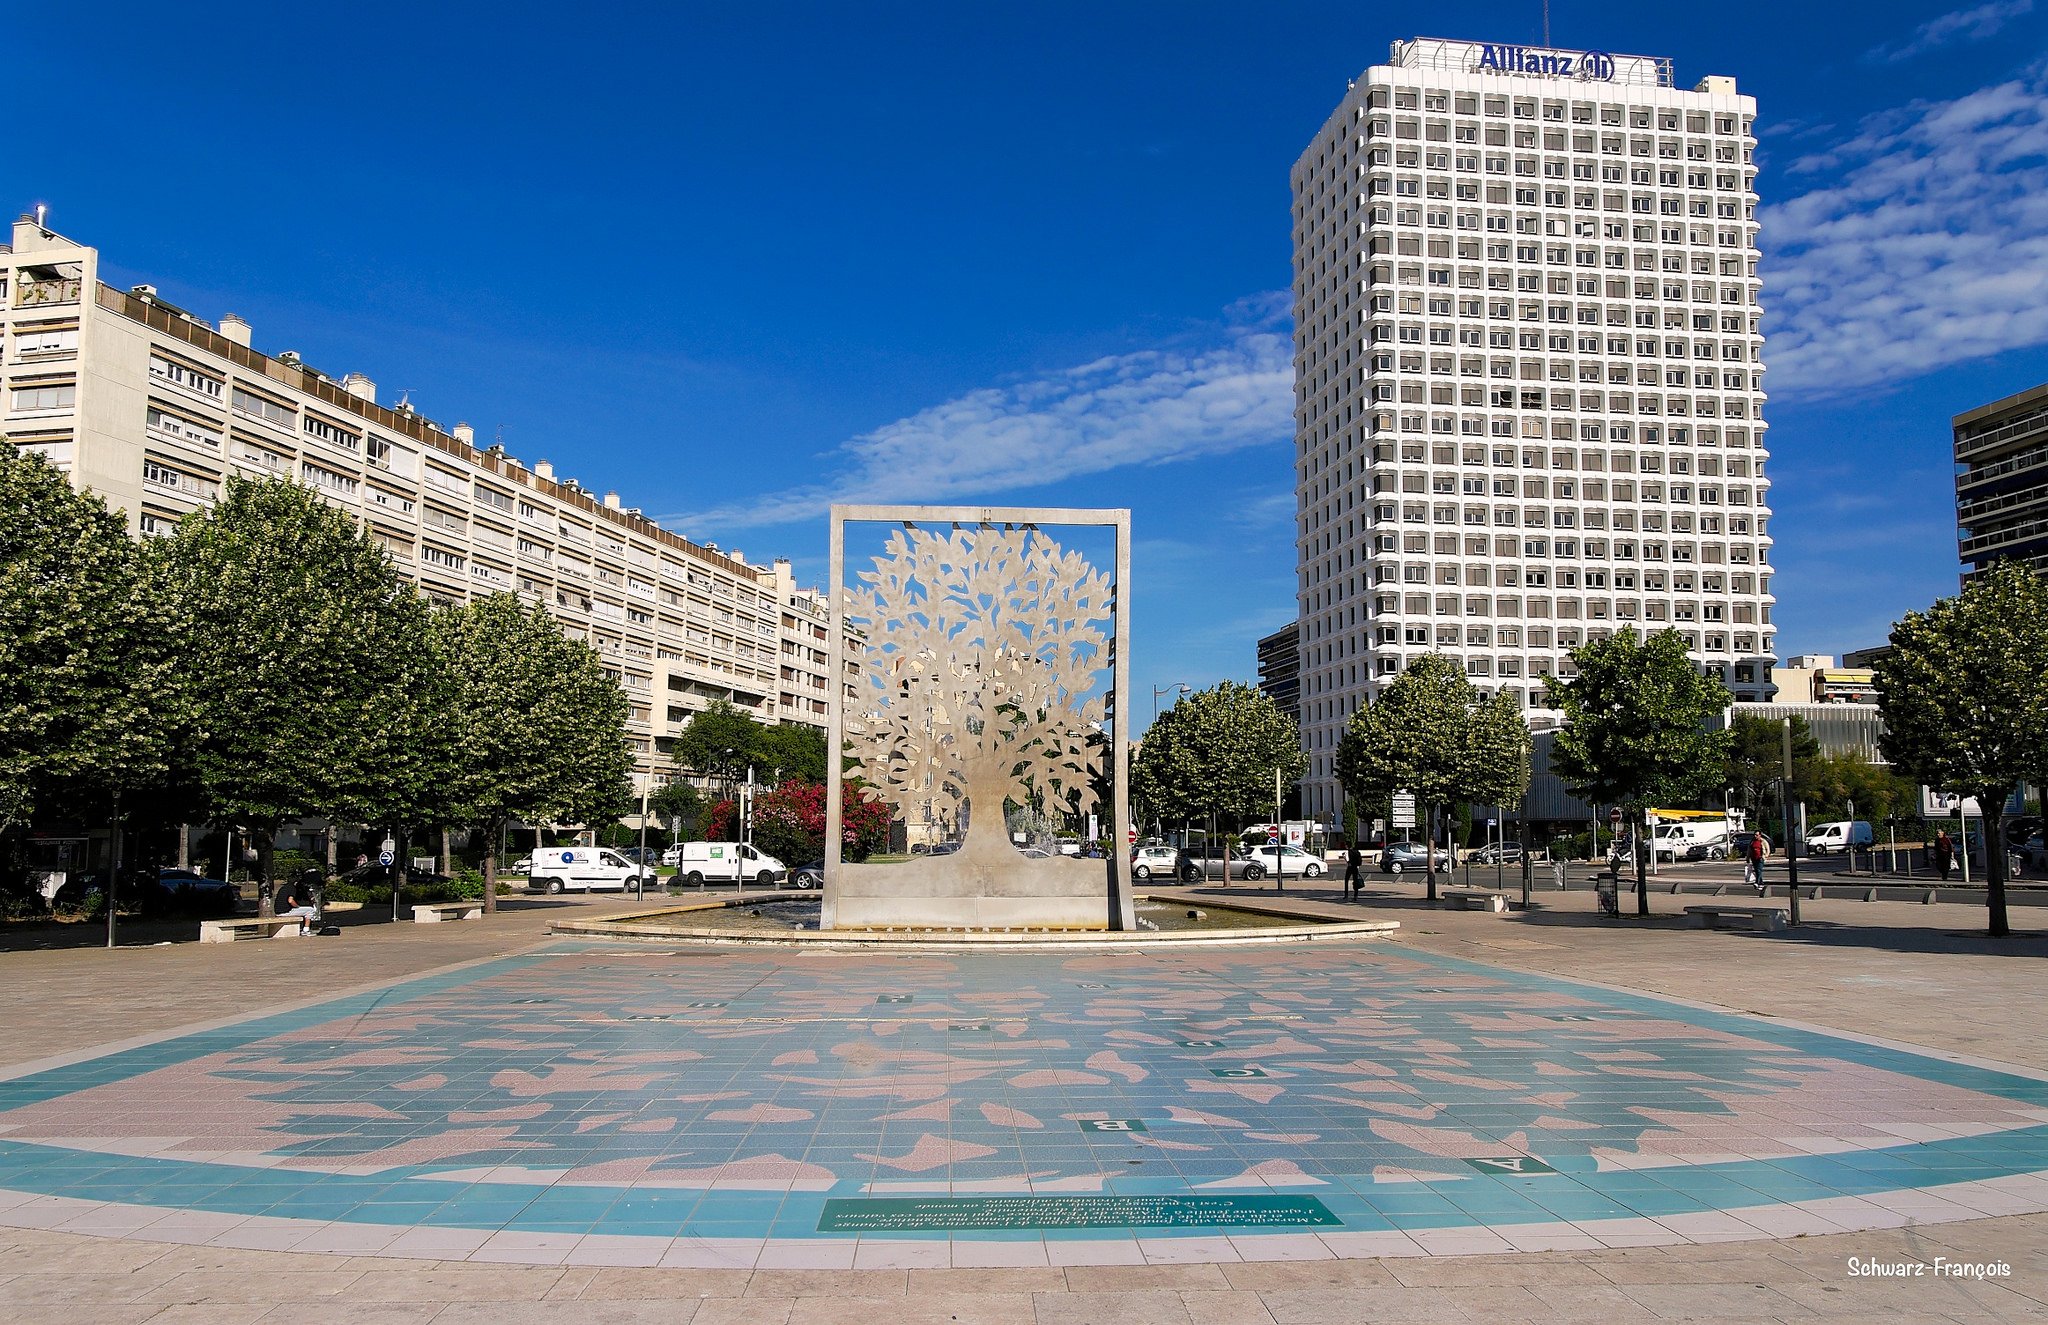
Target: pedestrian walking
{"x":1354,"y":877}
{"x":1754,"y":873}
{"x":1944,"y":853}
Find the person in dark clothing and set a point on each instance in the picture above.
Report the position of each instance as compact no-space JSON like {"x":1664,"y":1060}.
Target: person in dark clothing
{"x":1944,"y":853}
{"x":295,"y":899}
{"x":1354,"y":876}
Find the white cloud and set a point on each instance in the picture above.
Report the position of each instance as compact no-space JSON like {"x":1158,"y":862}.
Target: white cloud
{"x":1926,"y":244}
{"x":1973,"y":24}
{"x":1222,"y":390}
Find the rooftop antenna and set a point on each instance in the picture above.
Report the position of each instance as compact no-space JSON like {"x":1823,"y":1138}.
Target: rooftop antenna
{"x":1546,"y":23}
{"x":404,"y":401}
{"x":42,"y":210}
{"x":501,"y":434}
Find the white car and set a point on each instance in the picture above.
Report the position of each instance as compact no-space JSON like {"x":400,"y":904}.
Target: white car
{"x":1162,"y":861}
{"x":1287,"y":861}
{"x":672,"y":856}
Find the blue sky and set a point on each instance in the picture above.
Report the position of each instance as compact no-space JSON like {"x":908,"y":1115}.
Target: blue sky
{"x":738,"y":262}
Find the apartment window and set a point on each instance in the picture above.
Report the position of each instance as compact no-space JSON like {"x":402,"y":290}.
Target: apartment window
{"x":178,"y":374}
{"x":28,"y":398}
{"x":320,"y":430}
{"x":487,"y":496}
{"x":341,"y":484}
{"x":46,"y":342}
{"x":377,"y":451}
{"x":263,"y":408}
{"x":181,"y":429}
{"x":434,"y":556}
{"x":391,"y":501}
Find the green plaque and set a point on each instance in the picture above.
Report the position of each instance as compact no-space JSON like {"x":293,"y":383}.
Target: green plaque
{"x":936,"y":1214}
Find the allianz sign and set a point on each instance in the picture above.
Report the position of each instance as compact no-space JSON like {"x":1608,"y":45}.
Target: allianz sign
{"x":1598,"y":65}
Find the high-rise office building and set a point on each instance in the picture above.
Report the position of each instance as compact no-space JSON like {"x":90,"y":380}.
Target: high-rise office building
{"x":2001,"y":452}
{"x":1528,"y":376}
{"x":154,"y":408}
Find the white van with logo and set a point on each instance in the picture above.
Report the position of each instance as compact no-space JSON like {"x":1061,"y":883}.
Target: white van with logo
{"x":699,"y":863}
{"x":585,"y":869}
{"x":1842,"y":834}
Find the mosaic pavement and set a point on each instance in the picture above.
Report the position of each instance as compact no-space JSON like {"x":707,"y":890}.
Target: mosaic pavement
{"x":606,"y":1105}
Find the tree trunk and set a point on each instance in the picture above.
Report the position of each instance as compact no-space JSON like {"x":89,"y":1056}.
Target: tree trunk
{"x":493,"y":834}
{"x":265,"y":839}
{"x":1991,"y":807}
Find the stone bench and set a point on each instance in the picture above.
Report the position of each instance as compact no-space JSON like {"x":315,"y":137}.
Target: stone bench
{"x":1476,"y":901}
{"x":1756,"y":917}
{"x":432,"y":913}
{"x":250,"y":927}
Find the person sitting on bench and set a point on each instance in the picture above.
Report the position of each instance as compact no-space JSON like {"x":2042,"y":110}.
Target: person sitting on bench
{"x":294,"y":900}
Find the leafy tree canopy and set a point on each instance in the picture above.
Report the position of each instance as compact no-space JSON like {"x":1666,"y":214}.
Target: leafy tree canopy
{"x":1755,"y":758}
{"x":1215,"y":753}
{"x":1636,"y":722}
{"x":1965,"y":695}
{"x":792,"y":751}
{"x":539,"y":721}
{"x":1636,"y":731}
{"x":722,"y":742}
{"x":84,"y":675}
{"x":294,"y":641}
{"x":1432,"y":733}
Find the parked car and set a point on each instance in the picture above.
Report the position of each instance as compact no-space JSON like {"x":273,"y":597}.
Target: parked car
{"x":808,"y":876}
{"x":640,"y":855}
{"x":1738,"y":845}
{"x":671,"y":855}
{"x":1397,"y":857}
{"x":378,"y":878}
{"x":1705,"y":851}
{"x":1168,"y":862}
{"x":1289,"y":862}
{"x":523,"y":865}
{"x":1497,"y":853}
{"x":168,"y":889}
{"x":944,"y":848}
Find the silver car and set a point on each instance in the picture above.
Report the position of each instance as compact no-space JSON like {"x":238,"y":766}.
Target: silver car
{"x":1397,"y":857}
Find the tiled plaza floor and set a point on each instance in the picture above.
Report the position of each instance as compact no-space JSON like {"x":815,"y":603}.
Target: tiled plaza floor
{"x":779,"y":1135}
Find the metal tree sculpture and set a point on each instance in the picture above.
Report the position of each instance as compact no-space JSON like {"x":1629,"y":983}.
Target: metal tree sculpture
{"x":981,"y":647}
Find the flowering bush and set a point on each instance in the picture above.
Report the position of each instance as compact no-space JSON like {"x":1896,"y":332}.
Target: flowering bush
{"x":789,"y":823}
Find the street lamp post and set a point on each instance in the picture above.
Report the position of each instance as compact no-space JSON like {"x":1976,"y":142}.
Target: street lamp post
{"x":1177,"y":689}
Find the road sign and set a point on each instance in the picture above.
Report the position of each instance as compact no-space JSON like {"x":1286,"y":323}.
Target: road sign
{"x":1134,"y":835}
{"x":383,"y":857}
{"x":1614,"y":815}
{"x":1402,"y":814}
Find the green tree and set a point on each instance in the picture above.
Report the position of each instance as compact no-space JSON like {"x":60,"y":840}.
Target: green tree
{"x":1214,"y":753}
{"x":291,"y":634}
{"x":676,"y":803}
{"x":1755,"y":761}
{"x":722,"y":742}
{"x":1432,"y":733}
{"x":1965,"y":696}
{"x":1837,"y":781}
{"x":1636,"y":731}
{"x":540,"y":723}
{"x":87,"y":708}
{"x":791,"y":751}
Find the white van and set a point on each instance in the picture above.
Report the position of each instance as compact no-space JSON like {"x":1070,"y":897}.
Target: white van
{"x":1674,"y":840}
{"x":727,"y":862}
{"x":585,"y":869}
{"x":1840,"y":835}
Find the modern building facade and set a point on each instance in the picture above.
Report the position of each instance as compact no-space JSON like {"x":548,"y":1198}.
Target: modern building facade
{"x":1528,"y":376}
{"x":2001,"y":452}
{"x":154,"y":409}
{"x":1280,"y":669}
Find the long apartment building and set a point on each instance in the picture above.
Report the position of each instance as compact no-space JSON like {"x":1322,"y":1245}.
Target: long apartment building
{"x":1528,"y":376}
{"x":2001,"y":452}
{"x":153,"y":408}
